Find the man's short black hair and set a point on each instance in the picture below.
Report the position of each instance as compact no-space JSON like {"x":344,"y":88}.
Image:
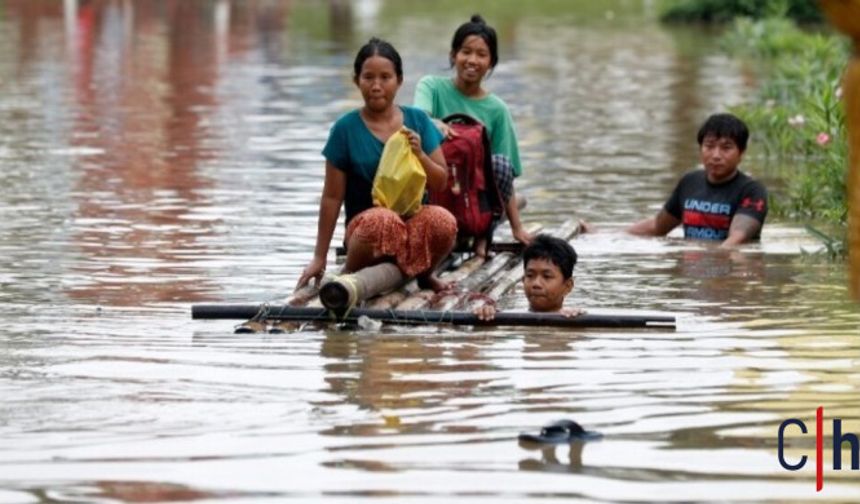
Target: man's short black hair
{"x":725,"y":126}
{"x":554,"y":250}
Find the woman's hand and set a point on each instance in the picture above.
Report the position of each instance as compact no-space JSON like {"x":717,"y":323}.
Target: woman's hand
{"x":414,"y":141}
{"x":316,"y":270}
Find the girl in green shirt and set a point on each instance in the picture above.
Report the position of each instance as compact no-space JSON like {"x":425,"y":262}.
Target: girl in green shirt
{"x":474,"y":53}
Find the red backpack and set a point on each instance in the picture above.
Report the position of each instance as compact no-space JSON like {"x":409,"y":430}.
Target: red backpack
{"x":471,"y":194}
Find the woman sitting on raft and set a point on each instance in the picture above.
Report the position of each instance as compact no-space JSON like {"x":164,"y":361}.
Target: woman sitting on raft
{"x":353,"y":152}
{"x":474,"y":54}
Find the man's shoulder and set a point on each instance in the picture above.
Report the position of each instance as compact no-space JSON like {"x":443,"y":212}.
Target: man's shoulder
{"x":747,"y":182}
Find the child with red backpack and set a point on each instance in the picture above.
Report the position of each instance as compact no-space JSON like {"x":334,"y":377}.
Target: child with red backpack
{"x":474,"y":54}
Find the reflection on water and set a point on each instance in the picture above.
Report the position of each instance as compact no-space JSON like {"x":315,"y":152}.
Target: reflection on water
{"x":166,"y":152}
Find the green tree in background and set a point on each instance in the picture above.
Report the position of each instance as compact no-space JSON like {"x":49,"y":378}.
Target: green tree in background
{"x":720,"y":11}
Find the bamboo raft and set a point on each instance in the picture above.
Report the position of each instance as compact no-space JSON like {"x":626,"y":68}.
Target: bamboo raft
{"x":382,"y":293}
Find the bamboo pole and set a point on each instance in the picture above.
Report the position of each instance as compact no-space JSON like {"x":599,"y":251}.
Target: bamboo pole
{"x":395,"y":298}
{"x":392,"y":299}
{"x":448,"y":300}
{"x":845,"y":15}
{"x":346,"y":291}
{"x":423,"y":299}
{"x":422,"y":317}
{"x":505,"y":261}
{"x":473,"y":273}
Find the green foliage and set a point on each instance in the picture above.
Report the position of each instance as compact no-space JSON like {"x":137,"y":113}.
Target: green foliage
{"x":721,"y":11}
{"x":797,"y":118}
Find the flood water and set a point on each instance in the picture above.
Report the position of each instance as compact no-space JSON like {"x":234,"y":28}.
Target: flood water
{"x":156,"y":154}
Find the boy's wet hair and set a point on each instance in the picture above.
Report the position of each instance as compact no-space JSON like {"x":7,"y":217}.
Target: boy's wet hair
{"x":476,"y":26}
{"x":554,"y":250}
{"x":725,"y":126}
{"x":378,"y":47}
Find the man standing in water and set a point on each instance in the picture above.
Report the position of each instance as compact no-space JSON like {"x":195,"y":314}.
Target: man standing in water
{"x":717,"y":203}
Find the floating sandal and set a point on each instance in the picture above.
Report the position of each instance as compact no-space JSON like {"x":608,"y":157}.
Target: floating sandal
{"x":560,"y":432}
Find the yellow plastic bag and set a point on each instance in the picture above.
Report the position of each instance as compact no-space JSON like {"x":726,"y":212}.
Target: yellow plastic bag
{"x":400,"y":179}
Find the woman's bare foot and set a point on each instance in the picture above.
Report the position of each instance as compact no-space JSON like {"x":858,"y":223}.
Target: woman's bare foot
{"x":481,"y":247}
{"x":431,"y":281}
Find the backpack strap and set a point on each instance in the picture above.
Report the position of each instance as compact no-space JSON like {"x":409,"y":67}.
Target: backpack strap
{"x":461,"y":118}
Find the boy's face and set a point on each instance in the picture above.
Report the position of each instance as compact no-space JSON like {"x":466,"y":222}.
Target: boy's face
{"x":545,"y":285}
{"x":720,"y":157}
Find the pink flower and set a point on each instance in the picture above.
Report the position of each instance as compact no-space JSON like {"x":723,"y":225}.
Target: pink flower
{"x":822,"y":139}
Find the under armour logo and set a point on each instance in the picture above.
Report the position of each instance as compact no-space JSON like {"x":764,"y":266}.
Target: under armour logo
{"x":750,"y":203}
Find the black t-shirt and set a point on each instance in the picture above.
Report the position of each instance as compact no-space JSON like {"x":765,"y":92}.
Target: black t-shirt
{"x":707,"y":209}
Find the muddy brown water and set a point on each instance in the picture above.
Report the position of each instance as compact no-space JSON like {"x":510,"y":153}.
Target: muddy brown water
{"x":164,"y":153}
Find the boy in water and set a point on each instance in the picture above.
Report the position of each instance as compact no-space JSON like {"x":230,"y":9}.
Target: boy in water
{"x":547,"y":279}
